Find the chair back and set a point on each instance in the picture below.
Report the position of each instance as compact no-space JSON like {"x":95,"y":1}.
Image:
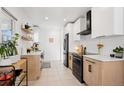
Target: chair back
{"x":7,"y":75}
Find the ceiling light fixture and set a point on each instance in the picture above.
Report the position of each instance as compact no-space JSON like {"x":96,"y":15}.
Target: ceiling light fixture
{"x":64,"y":19}
{"x":46,"y":18}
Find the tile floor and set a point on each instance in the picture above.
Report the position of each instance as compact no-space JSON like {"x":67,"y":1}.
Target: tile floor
{"x":57,"y":75}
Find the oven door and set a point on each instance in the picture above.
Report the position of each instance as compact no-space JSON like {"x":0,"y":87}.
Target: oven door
{"x":78,"y":68}
{"x":77,"y":65}
{"x":76,"y":60}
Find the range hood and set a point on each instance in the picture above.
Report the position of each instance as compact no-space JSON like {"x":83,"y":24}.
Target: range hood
{"x":88,"y":23}
{"x":85,"y":32}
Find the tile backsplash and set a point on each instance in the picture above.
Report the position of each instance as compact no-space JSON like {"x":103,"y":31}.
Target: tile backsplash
{"x":109,"y":43}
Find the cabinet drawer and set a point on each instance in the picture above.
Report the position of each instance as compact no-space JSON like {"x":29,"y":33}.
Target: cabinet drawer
{"x":90,"y":60}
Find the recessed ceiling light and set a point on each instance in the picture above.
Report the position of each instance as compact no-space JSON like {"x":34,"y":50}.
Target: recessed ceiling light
{"x":64,"y":19}
{"x":46,"y":18}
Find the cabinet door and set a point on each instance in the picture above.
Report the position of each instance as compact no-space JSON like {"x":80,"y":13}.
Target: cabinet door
{"x":83,"y":24}
{"x":66,"y":29}
{"x":102,"y":21}
{"x":71,"y":37}
{"x":79,"y":25}
{"x":86,"y":72}
{"x":94,"y":73}
{"x":107,"y":21}
{"x":91,"y":72}
{"x":75,"y":31}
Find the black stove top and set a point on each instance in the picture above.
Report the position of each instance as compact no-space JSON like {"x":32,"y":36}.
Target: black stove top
{"x":76,"y":55}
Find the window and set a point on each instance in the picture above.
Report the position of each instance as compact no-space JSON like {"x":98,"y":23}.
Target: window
{"x":7,"y":24}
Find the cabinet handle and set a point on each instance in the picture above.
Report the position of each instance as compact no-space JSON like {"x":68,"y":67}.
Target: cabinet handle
{"x":89,"y":68}
{"x":90,"y":61}
{"x":70,"y":57}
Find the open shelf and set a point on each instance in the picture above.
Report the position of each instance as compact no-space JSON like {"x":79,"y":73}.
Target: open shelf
{"x":27,"y":35}
{"x":27,"y":38}
{"x":27,"y":30}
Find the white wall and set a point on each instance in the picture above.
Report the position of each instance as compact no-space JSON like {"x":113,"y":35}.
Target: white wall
{"x":108,"y":42}
{"x":52,"y":50}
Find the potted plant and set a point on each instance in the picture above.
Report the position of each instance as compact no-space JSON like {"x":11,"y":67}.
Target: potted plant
{"x":4,"y":53}
{"x":118,"y":52}
{"x":13,"y":49}
{"x":8,"y":49}
{"x":4,"y":50}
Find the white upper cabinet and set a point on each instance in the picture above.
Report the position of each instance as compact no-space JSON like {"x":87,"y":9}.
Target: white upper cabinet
{"x":83,"y":24}
{"x":75,"y":31}
{"x":71,"y":48}
{"x":78,"y":26}
{"x":107,"y":21}
{"x":68,"y":28}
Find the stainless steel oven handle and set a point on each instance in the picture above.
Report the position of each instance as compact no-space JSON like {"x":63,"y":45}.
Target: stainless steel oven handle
{"x":77,"y":58}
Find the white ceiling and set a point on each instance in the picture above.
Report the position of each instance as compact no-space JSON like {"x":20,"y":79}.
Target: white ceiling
{"x":56,"y":15}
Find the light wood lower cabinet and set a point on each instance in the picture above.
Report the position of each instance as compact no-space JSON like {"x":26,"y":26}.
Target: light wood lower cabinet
{"x":34,"y":66}
{"x":103,"y":73}
{"x":70,"y":60}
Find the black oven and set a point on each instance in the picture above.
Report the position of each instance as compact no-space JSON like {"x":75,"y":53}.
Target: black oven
{"x":78,"y":67}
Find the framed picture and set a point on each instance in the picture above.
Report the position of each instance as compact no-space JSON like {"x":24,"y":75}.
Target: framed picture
{"x":51,"y":40}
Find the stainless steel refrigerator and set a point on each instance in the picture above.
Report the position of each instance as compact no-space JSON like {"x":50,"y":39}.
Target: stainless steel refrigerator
{"x":66,"y":49}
